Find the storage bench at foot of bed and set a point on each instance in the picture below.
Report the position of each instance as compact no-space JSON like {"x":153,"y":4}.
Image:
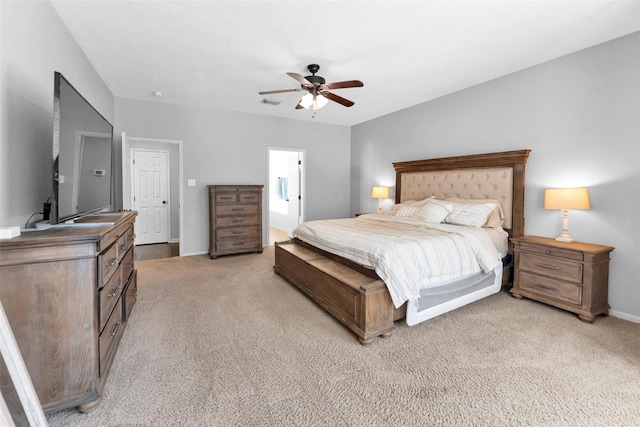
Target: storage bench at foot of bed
{"x":360,"y":302}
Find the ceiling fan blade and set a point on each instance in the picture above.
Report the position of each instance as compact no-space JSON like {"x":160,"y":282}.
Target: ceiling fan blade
{"x":345,"y":84}
{"x":269,"y":92}
{"x":300,"y":79}
{"x":336,"y":98}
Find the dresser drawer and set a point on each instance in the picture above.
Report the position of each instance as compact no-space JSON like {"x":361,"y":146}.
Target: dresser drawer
{"x":561,"y":291}
{"x":130,"y":296}
{"x":237,"y":209}
{"x":238,"y":243}
{"x":249,"y":197}
{"x":107,"y":265}
{"x":127,"y":266}
{"x":222,"y":233}
{"x":108,"y":297}
{"x":109,"y":337}
{"x":553,"y":267}
{"x":222,"y":198}
{"x":237,"y":221}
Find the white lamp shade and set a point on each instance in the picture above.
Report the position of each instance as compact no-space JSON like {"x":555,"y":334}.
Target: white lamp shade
{"x":315,"y":102}
{"x":380,"y":192}
{"x":566,"y":198}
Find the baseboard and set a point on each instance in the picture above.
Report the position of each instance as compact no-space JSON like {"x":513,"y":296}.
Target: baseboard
{"x":196,"y":253}
{"x":174,"y":240}
{"x":625,"y":316}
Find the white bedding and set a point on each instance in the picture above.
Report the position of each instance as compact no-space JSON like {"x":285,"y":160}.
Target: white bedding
{"x":406,"y":253}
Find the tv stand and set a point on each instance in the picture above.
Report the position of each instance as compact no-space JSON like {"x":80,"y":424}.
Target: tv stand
{"x":68,"y":293}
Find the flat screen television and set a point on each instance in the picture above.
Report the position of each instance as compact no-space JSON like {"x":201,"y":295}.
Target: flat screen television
{"x":82,"y":156}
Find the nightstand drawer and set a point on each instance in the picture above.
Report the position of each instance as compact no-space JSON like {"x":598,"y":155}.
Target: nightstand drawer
{"x":553,"y":267}
{"x":556,"y":289}
{"x":552,"y":251}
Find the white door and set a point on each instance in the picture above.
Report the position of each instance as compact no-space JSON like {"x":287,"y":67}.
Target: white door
{"x":150,"y":176}
{"x":295,"y":196}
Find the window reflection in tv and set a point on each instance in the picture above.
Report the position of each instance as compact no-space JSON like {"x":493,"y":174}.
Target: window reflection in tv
{"x":82,"y":155}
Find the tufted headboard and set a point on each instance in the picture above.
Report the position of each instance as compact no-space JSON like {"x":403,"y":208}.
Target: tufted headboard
{"x":497,"y":176}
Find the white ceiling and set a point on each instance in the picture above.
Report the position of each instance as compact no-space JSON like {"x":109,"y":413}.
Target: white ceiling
{"x":220,"y":54}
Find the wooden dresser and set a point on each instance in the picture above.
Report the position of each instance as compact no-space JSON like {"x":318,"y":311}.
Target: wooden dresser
{"x":68,"y":293}
{"x":572,"y":276}
{"x":235,"y":219}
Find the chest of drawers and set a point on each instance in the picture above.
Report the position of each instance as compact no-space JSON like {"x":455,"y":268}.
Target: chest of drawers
{"x":235,"y":219}
{"x":572,"y":276}
{"x":68,"y":293}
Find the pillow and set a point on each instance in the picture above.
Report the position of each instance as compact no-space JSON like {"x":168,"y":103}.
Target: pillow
{"x":408,"y":210}
{"x":434,"y":211}
{"x":473,"y":214}
{"x":396,"y":208}
{"x":495,"y":219}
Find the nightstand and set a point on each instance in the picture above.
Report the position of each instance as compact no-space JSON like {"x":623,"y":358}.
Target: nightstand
{"x":571,"y":276}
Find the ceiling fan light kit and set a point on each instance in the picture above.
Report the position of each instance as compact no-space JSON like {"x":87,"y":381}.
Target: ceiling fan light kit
{"x":318,"y":94}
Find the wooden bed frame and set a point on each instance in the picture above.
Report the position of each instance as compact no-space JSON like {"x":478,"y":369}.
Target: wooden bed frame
{"x":355,"y":295}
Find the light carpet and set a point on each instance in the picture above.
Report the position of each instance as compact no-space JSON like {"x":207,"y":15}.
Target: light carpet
{"x":227,"y":342}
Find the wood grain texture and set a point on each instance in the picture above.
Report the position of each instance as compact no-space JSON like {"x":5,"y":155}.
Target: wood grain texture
{"x":572,"y":276}
{"x":235,"y":219}
{"x":50,"y":286}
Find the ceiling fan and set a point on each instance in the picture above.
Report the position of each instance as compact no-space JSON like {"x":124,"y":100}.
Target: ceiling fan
{"x":318,"y":93}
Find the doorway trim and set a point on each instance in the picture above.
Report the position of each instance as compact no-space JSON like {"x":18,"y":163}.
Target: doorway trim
{"x":303,"y":184}
{"x":126,"y":176}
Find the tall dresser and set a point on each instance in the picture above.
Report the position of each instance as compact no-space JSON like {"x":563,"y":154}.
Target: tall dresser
{"x":235,"y":219}
{"x":68,"y":293}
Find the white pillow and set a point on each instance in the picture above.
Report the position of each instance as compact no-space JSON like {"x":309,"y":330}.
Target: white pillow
{"x":470,"y":214}
{"x":398,"y":206}
{"x":434,"y":211}
{"x":408,"y":210}
{"x":496,"y":218}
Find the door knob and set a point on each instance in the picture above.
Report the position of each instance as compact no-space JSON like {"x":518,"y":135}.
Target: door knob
{"x":164,"y":202}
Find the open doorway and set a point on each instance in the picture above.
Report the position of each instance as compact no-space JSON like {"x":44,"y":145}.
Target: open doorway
{"x":285,"y":192}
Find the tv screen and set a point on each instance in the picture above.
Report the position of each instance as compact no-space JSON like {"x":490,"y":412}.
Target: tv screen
{"x":82,"y":155}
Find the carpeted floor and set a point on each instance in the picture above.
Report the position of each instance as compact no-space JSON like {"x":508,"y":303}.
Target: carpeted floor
{"x":227,"y":342}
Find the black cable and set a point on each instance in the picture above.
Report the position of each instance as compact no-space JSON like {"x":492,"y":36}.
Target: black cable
{"x":27,"y":224}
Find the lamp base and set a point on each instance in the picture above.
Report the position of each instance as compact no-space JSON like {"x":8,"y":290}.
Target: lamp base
{"x":564,"y":237}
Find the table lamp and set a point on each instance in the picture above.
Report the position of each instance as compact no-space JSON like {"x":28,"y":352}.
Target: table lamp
{"x":380,"y":193}
{"x":566,"y":199}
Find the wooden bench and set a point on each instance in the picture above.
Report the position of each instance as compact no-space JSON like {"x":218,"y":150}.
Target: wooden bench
{"x":361,"y":302}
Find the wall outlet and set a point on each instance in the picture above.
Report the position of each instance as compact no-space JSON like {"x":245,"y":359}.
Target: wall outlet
{"x":191,"y":182}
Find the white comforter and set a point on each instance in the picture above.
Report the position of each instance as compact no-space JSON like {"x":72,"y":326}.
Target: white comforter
{"x":407,"y":254}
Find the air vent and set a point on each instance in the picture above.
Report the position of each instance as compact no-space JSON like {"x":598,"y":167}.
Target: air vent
{"x":271,"y":101}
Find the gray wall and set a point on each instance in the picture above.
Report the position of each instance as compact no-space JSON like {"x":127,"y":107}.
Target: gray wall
{"x":34,"y":44}
{"x":581,"y":117}
{"x":224,"y":147}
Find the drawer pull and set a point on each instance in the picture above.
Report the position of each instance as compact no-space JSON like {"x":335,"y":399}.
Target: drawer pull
{"x":238,"y":220}
{"x":226,"y":198}
{"x":114,"y":292}
{"x":549,"y":288}
{"x":114,"y":331}
{"x":123,"y":247}
{"x":238,"y":232}
{"x":112,"y":262}
{"x":130,"y":264}
{"x":550,"y":267}
{"x":238,"y":209}
{"x":134,"y":292}
{"x":238,"y":244}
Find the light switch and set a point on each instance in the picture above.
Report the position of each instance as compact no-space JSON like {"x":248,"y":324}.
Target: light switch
{"x":191,"y":182}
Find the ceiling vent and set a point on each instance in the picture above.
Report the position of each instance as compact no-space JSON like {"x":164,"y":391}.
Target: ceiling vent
{"x":271,"y":101}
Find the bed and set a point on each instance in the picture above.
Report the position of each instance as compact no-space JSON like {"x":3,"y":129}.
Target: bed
{"x":356,"y":295}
